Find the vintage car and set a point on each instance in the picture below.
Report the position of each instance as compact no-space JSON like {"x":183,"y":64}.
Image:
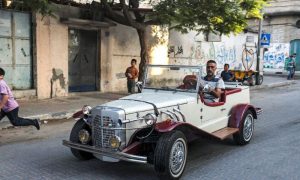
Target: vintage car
{"x":156,"y":125}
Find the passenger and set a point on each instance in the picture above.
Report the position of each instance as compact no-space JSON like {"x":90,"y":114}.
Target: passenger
{"x":211,"y":86}
{"x":227,"y":75}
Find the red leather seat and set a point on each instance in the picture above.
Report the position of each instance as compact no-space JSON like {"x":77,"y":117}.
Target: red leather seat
{"x":189,"y":82}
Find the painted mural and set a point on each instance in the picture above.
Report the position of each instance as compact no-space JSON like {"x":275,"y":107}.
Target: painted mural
{"x":238,"y":57}
{"x":275,"y":56}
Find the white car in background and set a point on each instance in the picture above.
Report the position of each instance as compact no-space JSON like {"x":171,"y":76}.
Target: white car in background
{"x":155,"y":126}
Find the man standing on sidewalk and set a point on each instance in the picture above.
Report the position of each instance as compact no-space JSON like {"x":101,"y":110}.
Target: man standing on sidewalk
{"x":131,"y":74}
{"x":291,"y":66}
{"x":10,"y":108}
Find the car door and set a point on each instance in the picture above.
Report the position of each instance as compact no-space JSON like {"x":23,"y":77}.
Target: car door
{"x":214,"y":116}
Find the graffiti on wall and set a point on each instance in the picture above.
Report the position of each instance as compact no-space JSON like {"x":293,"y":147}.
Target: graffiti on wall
{"x":275,"y":55}
{"x":248,"y":58}
{"x":174,"y":51}
{"x":233,"y":51}
{"x":201,"y":52}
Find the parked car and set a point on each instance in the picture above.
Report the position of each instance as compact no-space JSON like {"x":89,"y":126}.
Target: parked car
{"x":156,"y":125}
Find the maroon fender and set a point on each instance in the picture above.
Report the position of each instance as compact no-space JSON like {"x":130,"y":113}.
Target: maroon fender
{"x":168,"y":125}
{"x":133,"y":148}
{"x":78,"y":114}
{"x":237,"y":114}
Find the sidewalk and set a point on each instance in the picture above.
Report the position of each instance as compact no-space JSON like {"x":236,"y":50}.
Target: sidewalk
{"x":61,"y":108}
{"x":271,"y":81}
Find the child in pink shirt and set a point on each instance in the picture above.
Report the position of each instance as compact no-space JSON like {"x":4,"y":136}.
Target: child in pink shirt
{"x":10,"y":108}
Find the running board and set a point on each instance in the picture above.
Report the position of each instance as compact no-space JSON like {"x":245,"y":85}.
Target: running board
{"x":224,"y":133}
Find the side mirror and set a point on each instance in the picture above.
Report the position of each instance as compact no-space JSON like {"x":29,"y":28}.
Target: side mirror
{"x":139,"y":85}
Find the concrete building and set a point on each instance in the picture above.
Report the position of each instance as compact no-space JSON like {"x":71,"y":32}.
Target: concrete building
{"x":282,"y":21}
{"x":57,"y":56}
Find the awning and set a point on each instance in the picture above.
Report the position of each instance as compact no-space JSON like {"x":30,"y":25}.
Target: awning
{"x":86,"y":24}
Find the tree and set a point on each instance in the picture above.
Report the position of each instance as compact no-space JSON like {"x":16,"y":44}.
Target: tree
{"x":223,"y":16}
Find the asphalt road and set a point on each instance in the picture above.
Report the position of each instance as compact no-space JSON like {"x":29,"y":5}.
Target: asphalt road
{"x":273,"y":153}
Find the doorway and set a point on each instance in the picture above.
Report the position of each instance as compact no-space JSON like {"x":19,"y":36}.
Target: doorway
{"x":83,"y":60}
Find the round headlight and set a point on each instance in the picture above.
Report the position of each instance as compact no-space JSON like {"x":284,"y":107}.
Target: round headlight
{"x":114,"y":142}
{"x":150,"y":119}
{"x":86,"y":109}
{"x":84,"y":136}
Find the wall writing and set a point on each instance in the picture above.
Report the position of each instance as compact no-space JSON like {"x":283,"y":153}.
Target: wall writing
{"x":275,"y":55}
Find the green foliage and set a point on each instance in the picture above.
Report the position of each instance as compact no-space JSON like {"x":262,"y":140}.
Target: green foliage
{"x":223,"y":16}
{"x":42,"y":6}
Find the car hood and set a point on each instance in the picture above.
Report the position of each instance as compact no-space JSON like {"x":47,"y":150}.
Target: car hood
{"x":145,"y":101}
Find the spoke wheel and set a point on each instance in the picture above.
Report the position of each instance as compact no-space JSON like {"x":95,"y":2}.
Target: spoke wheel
{"x":246,"y":129}
{"x":170,"y":155}
{"x":177,"y":156}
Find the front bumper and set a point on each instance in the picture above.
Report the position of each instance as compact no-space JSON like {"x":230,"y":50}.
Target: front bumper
{"x":106,"y":152}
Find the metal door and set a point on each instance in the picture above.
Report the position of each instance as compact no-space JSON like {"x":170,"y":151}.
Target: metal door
{"x":15,"y":49}
{"x":295,"y":48}
{"x":83,"y":60}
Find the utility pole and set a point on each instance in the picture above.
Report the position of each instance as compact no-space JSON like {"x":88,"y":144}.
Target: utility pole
{"x":258,"y":49}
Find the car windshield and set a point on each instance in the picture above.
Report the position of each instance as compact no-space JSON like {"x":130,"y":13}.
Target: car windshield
{"x":178,"y":78}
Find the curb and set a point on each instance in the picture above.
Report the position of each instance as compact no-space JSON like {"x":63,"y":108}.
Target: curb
{"x":272,"y":85}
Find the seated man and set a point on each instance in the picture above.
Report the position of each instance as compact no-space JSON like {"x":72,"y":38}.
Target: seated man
{"x":211,"y":86}
{"x":227,"y":75}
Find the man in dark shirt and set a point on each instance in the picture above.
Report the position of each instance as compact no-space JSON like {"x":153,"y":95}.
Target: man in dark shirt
{"x":131,"y":74}
{"x":227,"y":75}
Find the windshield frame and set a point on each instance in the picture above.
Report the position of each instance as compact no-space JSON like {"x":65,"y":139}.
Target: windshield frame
{"x":173,"y":66}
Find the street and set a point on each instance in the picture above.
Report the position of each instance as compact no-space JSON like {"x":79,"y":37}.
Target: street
{"x":273,"y":152}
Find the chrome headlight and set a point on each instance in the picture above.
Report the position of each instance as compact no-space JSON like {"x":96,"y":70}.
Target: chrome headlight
{"x":150,"y":119}
{"x":84,"y":136}
{"x":114,"y":141}
{"x":86,"y":109}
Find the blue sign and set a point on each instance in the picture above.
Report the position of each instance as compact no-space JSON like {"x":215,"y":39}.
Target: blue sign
{"x":265,"y":39}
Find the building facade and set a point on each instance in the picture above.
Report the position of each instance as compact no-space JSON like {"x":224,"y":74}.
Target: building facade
{"x":68,"y":53}
{"x":282,"y":21}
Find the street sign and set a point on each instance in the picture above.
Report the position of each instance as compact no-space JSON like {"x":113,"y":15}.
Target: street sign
{"x":265,"y":39}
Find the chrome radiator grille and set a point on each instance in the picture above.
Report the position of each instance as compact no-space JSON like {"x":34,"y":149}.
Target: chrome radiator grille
{"x":101,"y":136}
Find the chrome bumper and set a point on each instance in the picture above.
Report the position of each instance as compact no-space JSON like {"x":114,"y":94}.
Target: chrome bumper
{"x":106,"y":152}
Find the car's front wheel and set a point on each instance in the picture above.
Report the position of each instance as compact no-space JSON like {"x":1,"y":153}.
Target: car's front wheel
{"x":74,"y":137}
{"x":245,"y":130}
{"x":170,"y":155}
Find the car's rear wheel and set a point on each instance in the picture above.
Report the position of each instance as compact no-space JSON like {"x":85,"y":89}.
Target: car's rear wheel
{"x":74,"y":137}
{"x":170,"y":155}
{"x":246,"y":129}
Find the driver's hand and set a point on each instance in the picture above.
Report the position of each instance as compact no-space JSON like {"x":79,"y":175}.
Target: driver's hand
{"x":206,"y":88}
{"x":201,"y":87}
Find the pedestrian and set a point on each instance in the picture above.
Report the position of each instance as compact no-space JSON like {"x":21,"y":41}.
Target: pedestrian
{"x":10,"y":108}
{"x":131,"y":74}
{"x":226,"y":74}
{"x":291,"y":66}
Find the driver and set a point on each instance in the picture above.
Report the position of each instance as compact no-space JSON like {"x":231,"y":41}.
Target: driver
{"x":211,"y":86}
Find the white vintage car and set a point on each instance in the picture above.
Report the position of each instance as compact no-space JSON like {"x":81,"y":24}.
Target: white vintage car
{"x":155,"y":126}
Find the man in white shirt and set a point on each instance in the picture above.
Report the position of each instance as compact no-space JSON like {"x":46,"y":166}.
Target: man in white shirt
{"x":211,"y":86}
